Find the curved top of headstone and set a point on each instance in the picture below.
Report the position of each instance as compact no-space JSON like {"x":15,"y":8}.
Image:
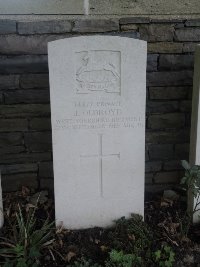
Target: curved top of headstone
{"x":97,"y":38}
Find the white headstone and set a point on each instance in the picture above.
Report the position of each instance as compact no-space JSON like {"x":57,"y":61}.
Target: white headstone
{"x":98,"y":90}
{"x":195,"y":128}
{"x":1,"y":206}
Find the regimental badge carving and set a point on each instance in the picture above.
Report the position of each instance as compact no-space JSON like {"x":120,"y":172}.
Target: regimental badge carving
{"x":98,"y":71}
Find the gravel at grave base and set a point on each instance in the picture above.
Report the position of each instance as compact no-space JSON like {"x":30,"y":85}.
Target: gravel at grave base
{"x":161,"y":217}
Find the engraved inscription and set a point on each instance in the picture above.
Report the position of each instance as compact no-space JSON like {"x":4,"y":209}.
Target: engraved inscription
{"x":100,"y":157}
{"x":99,"y":115}
{"x":98,"y":71}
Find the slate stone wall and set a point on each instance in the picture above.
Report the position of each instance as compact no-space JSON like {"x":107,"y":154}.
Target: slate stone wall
{"x":25,"y":128}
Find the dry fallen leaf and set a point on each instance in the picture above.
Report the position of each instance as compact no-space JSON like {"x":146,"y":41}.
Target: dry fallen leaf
{"x":165,"y":202}
{"x":131,"y":237}
{"x":25,"y":191}
{"x":104,"y":248}
{"x":61,"y":243}
{"x":70,"y":255}
{"x":29,"y":206}
{"x":97,"y":241}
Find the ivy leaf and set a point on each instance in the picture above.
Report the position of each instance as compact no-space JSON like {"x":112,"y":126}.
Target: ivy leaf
{"x":158,"y":254}
{"x":185,"y":164}
{"x":183,"y":180}
{"x":34,"y":252}
{"x":168,"y":263}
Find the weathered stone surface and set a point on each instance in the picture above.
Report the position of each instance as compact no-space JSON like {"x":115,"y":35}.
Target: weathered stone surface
{"x":47,"y":184}
{"x":156,"y":32}
{"x":108,"y":56}
{"x":179,"y":25}
{"x":109,"y":60}
{"x":46,"y":169}
{"x":158,"y":152}
{"x":167,"y":177}
{"x":11,"y":150}
{"x":96,"y":25}
{"x":26,"y":157}
{"x":11,"y":125}
{"x":169,"y":78}
{"x":129,"y":34}
{"x":143,"y":7}
{"x":193,"y":23}
{"x":132,"y":20}
{"x":190,"y":93}
{"x":157,"y":188}
{"x":162,"y":106}
{"x":152,"y":62}
{"x":1,"y":98}
{"x":23,"y":64}
{"x":186,"y":106}
{"x":9,"y":81}
{"x":24,"y":110}
{"x":146,"y":153}
{"x":182,"y":151}
{"x":187,"y":34}
{"x":38,"y":141}
{"x":33,"y":44}
{"x":148,"y":178}
{"x":165,"y":47}
{"x":170,"y":120}
{"x":27,"y":96}
{"x":19,"y":168}
{"x":189,"y":47}
{"x":188,"y":119}
{"x":194,"y":155}
{"x":171,"y":86}
{"x":172,"y":137}
{"x":10,"y":139}
{"x":35,"y":27}
{"x":172,"y":165}
{"x":15,"y":182}
{"x":129,"y":27}
{"x":153,"y":166}
{"x":167,"y":20}
{"x":8,"y":26}
{"x":176,"y":62}
{"x":167,"y":93}
{"x":49,"y":7}
{"x":40,"y":124}
{"x":193,"y":204}
{"x":28,"y":81}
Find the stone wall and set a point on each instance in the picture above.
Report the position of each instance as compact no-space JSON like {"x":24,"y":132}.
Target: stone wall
{"x":25,"y":128}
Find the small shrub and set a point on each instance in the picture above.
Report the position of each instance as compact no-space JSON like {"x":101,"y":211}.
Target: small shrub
{"x":119,"y":259}
{"x":25,"y":246}
{"x":190,"y":183}
{"x":84,"y":263}
{"x":164,"y":257}
{"x":191,"y":180}
{"x":131,"y":235}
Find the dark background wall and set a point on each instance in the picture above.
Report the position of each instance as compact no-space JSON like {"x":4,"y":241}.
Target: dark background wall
{"x":25,"y":128}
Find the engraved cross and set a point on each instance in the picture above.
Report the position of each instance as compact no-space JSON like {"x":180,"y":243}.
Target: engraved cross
{"x":100,"y":157}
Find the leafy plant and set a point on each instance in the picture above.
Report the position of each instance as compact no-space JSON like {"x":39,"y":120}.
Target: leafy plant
{"x":191,"y":183}
{"x":119,"y":259}
{"x":164,"y":257}
{"x":191,"y":180}
{"x":84,"y":263}
{"x":27,"y":242}
{"x":131,"y":235}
